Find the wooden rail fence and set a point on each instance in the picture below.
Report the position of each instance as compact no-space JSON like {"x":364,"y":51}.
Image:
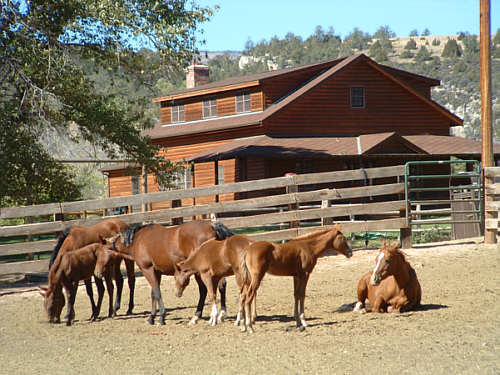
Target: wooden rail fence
{"x":492,"y":200}
{"x":386,"y":212}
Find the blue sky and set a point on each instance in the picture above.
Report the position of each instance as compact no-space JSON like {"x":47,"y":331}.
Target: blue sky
{"x":237,"y":20}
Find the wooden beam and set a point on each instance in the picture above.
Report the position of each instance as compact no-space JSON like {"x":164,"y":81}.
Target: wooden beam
{"x":490,"y":234}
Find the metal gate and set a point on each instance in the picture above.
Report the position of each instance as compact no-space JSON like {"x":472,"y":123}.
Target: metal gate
{"x":445,"y":192}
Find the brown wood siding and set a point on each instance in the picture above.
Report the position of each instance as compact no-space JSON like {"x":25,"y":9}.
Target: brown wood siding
{"x":280,"y":86}
{"x":325,"y":110}
{"x":226,"y":105}
{"x":229,"y":177}
{"x":119,"y":185}
{"x":205,"y":176}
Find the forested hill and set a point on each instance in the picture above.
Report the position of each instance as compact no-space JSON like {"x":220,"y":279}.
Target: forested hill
{"x":452,"y":59}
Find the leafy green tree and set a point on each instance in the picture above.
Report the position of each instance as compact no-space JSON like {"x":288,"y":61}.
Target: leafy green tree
{"x":44,"y":48}
{"x":414,"y":32}
{"x":496,"y":38}
{"x":451,"y":49}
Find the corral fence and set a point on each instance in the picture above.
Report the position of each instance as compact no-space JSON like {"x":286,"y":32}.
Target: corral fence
{"x":364,"y":200}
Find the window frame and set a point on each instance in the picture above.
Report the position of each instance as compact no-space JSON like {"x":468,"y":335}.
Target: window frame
{"x":355,"y":96}
{"x":177,"y":113}
{"x":209,"y":108}
{"x":244,"y":100}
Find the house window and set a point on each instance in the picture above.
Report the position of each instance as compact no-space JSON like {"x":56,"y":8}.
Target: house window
{"x":209,"y":108}
{"x":243,"y":103}
{"x":177,"y":113}
{"x":220,"y":175}
{"x":184,"y":179}
{"x":357,"y":97}
{"x":136,"y":187}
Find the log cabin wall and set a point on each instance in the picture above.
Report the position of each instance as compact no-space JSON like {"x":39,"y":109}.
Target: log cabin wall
{"x":326,"y":109}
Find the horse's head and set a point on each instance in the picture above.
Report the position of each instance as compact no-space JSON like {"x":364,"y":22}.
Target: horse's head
{"x":340,"y":242}
{"x":386,"y":262}
{"x":182,"y":275}
{"x":106,"y":255}
{"x":53,"y":303}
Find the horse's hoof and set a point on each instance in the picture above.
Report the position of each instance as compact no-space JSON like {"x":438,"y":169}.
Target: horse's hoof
{"x":193,"y":321}
{"x":129,"y":312}
{"x":302,"y":329}
{"x":68,"y":323}
{"x":151,"y":321}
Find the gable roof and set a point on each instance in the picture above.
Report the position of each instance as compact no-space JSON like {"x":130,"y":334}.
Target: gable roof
{"x":253,"y":118}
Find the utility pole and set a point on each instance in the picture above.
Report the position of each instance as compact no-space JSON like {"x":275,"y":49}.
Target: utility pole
{"x":490,"y":236}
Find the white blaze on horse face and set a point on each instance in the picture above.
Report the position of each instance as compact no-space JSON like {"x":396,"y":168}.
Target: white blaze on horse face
{"x":380,"y":257}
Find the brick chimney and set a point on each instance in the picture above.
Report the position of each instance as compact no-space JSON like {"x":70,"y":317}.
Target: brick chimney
{"x":197,"y":75}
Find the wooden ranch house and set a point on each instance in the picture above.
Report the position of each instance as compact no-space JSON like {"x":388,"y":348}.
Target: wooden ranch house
{"x":341,"y":114}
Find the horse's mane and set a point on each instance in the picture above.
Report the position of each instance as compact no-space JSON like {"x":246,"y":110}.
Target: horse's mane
{"x":129,"y":233}
{"x":60,"y":240}
{"x":312,"y":234}
{"x":396,"y":250}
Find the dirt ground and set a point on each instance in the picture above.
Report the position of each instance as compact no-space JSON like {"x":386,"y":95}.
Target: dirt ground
{"x":456,"y":331}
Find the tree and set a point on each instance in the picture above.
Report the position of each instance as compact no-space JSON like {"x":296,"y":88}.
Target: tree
{"x":44,"y":48}
{"x":384,"y":32}
{"x":451,"y":49}
{"x":357,"y":39}
{"x":423,"y":54}
{"x":414,"y":32}
{"x":426,"y":32}
{"x":411,"y":45}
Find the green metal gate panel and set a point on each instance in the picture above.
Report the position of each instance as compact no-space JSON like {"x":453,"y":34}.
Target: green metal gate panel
{"x":455,"y":193}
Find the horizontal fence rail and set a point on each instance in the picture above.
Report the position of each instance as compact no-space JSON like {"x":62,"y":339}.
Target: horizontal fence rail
{"x":283,"y":211}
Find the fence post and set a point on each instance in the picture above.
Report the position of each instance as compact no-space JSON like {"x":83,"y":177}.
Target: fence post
{"x":292,"y":206}
{"x":177,"y":220}
{"x":405,"y":234}
{"x":325,"y":203}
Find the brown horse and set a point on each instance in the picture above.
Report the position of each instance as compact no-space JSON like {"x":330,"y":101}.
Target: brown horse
{"x":79,"y":236}
{"x":213,"y":261}
{"x":392,"y":286}
{"x":68,"y":269}
{"x":296,"y":258}
{"x":156,"y":249}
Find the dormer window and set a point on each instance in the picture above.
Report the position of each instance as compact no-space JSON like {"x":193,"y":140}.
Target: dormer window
{"x":177,"y":113}
{"x":243,"y":102}
{"x":357,"y":97}
{"x":209,"y":108}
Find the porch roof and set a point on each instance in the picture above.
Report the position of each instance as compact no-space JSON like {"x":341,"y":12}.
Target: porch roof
{"x":328,"y":147}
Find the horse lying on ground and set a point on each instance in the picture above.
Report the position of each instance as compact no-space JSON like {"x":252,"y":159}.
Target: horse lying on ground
{"x":392,"y":286}
{"x":213,"y":261}
{"x":68,"y":269}
{"x":296,"y":258}
{"x":156,"y":249}
{"x":77,"y":237}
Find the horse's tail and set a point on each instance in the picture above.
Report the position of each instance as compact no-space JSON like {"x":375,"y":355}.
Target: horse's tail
{"x":246,"y":277}
{"x":60,"y":239}
{"x":221,"y":231}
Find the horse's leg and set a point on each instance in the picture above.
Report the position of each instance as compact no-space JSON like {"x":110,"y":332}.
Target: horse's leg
{"x":379,"y":305}
{"x":302,"y":298}
{"x":201,"y":302}
{"x":117,"y":275}
{"x":90,"y":293}
{"x":100,"y":296}
{"x":109,"y":286}
{"x":71,"y":289}
{"x":296,"y":287}
{"x":362,"y":295}
{"x":129,"y":264}
{"x":153,"y":280}
{"x":239,"y":282}
{"x":211,"y":284}
{"x":250,"y":295}
{"x":222,"y":291}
